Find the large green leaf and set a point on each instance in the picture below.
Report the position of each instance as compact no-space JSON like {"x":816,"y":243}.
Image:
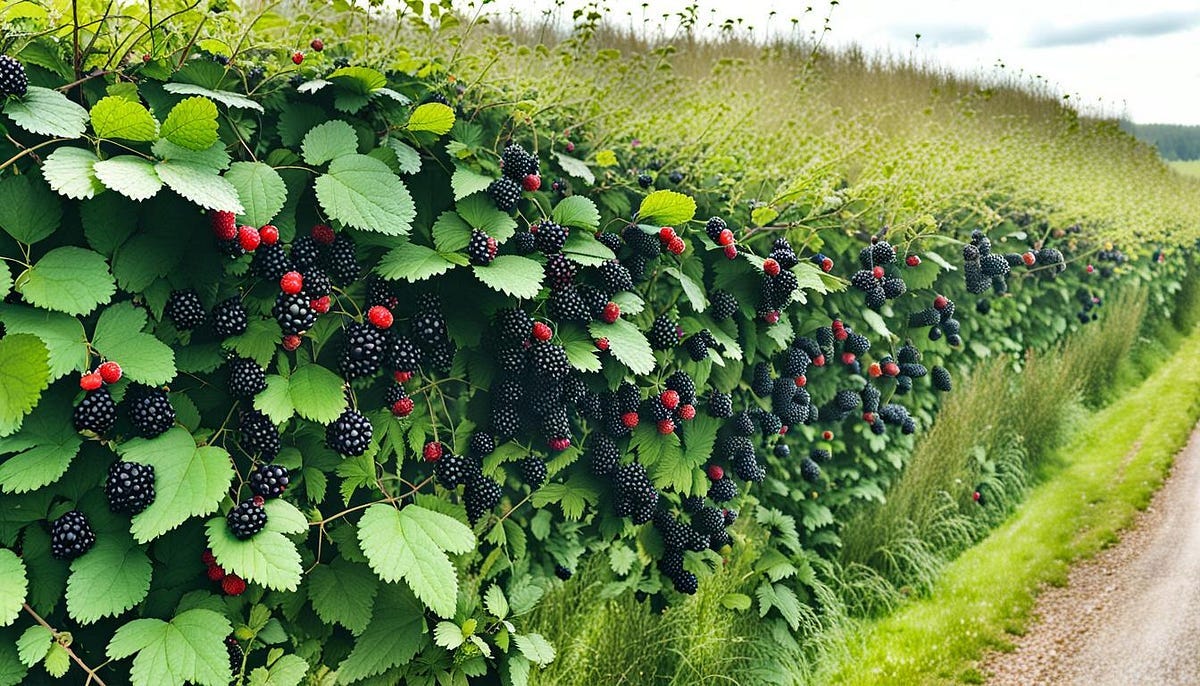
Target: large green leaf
{"x":627,"y":343}
{"x":69,"y":172}
{"x":575,"y":167}
{"x":433,"y":117}
{"x":666,"y":208}
{"x":519,"y":277}
{"x":24,"y":374}
{"x":132,"y":177}
{"x":481,"y":213}
{"x":192,"y":124}
{"x":142,"y":356}
{"x":44,"y":447}
{"x":362,"y":192}
{"x":261,"y":190}
{"x":13,"y":586}
{"x":34,"y":643}
{"x":189,"y":481}
{"x":343,"y":592}
{"x":412,"y":262}
{"x":201,"y":185}
{"x":535,"y":648}
{"x":63,"y":335}
{"x":189,"y":648}
{"x":115,"y":117}
{"x":583,"y":248}
{"x":360,"y":80}
{"x":226,"y":98}
{"x":288,"y":670}
{"x":113,"y":577}
{"x":578,"y":212}
{"x":329,"y":141}
{"x":68,"y":279}
{"x":316,"y":393}
{"x":466,"y":181}
{"x":276,"y":399}
{"x":48,"y":113}
{"x":693,"y":290}
{"x":29,"y":210}
{"x":392,"y":637}
{"x":267,"y":558}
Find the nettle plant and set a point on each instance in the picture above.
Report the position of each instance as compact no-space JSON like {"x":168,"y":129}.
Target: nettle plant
{"x":320,"y":381}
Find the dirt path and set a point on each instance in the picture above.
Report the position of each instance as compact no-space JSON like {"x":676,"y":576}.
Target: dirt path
{"x":1131,"y":615}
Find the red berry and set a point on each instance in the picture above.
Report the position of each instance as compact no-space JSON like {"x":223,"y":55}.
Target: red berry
{"x":840,"y":334}
{"x":676,"y":246}
{"x":940,"y":302}
{"x":1029,"y":259}
{"x":258,"y":500}
{"x":380,"y":316}
{"x":666,"y":233}
{"x":837,"y":325}
{"x":542,"y":332}
{"x":975,"y":496}
{"x":666,"y":426}
{"x":611,"y":313}
{"x":215,"y":572}
{"x":248,"y":238}
{"x":877,"y":272}
{"x":297,"y":58}
{"x":725,"y":237}
{"x":321,"y":305}
{"x":801,"y":381}
{"x":317,"y":44}
{"x":826,"y":265}
{"x":233,"y":585}
{"x":1090,"y":269}
{"x":401,"y":377}
{"x":402,"y":407}
{"x":771,"y":267}
{"x":827,"y":435}
{"x":224,"y":225}
{"x":559,"y":444}
{"x":715,"y":472}
{"x":771,"y":317}
{"x":269,"y":234}
{"x":669,"y":399}
{"x":432,"y":451}
{"x":848,"y":358}
{"x":602,"y":344}
{"x":531,"y":182}
{"x":731,"y":251}
{"x":819,"y":361}
{"x":874,"y":371}
{"x":912,"y":260}
{"x":783,"y":430}
{"x":891,"y":369}
{"x":291,"y":283}
{"x":869,"y":417}
{"x":322,"y":234}
{"x":110,"y":372}
{"x":629,"y":419}
{"x":290,"y":343}
{"x":687,"y":412}
{"x":207,"y":558}
{"x":90,"y":382}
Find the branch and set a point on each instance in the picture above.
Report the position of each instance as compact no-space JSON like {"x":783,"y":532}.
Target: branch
{"x":92,"y":676}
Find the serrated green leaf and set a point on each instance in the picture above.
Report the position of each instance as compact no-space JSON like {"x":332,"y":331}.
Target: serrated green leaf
{"x":667,"y":208}
{"x":63,"y":335}
{"x":24,"y":374}
{"x":343,"y":592}
{"x":6,"y":281}
{"x":47,"y":113}
{"x":575,"y":167}
{"x":519,"y":277}
{"x":412,"y":262}
{"x":407,"y":158}
{"x":433,"y":117}
{"x":142,"y":356}
{"x":481,"y":213}
{"x":572,"y":496}
{"x":763,"y":215}
{"x":201,"y":185}
{"x":45,"y":447}
{"x":261,"y":190}
{"x":192,"y":124}
{"x":621,"y":559}
{"x":450,"y":232}
{"x":12,"y":672}
{"x":34,"y":642}
{"x":288,"y":670}
{"x":29,"y":210}
{"x":132,"y":177}
{"x":13,"y":586}
{"x":57,"y":661}
{"x":329,"y":141}
{"x":189,"y":648}
{"x":736,"y":601}
{"x":68,"y":279}
{"x":69,"y":172}
{"x":578,"y":212}
{"x":316,"y":393}
{"x":267,"y":558}
{"x":361,"y":192}
{"x":226,"y":98}
{"x":448,"y":635}
{"x":189,"y":481}
{"x":361,"y":80}
{"x":259,"y":342}
{"x":691,"y":289}
{"x":392,"y":638}
{"x":276,"y":400}
{"x":495,"y":602}
{"x":535,"y":648}
{"x":466,"y":181}
{"x":583,"y":248}
{"x":214,"y":159}
{"x":118,"y":118}
{"x":781,"y":598}
{"x":113,"y":577}
{"x":409,"y":544}
{"x":626,"y":343}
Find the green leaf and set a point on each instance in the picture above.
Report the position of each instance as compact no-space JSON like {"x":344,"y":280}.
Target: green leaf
{"x":691,"y":289}
{"x":29,"y":210}
{"x":68,"y":279}
{"x":407,"y":158}
{"x":481,"y":213}
{"x":343,"y":592}
{"x":578,"y":212}
{"x":519,"y":277}
{"x":47,"y":113}
{"x":132,"y":177}
{"x":736,"y":601}
{"x":361,"y":192}
{"x":260,"y":341}
{"x":583,"y":248}
{"x":34,"y":643}
{"x":226,"y":98}
{"x":288,"y":670}
{"x":317,"y":393}
{"x":267,"y":558}
{"x":450,"y":232}
{"x":761,"y":216}
{"x":276,"y":400}
{"x":6,"y":282}
{"x":201,"y":185}
{"x":413,"y":263}
{"x":876,"y":322}
{"x":391,"y":639}
{"x":360,"y":80}
{"x":114,"y":117}
{"x":142,"y":356}
{"x":781,"y":598}
{"x":627,"y":343}
{"x":448,"y":635}
{"x":621,"y":559}
{"x":466,"y":181}
{"x":24,"y":374}
{"x":495,"y":602}
{"x":666,"y":208}
{"x":13,"y":586}
{"x":572,"y":497}
{"x":213,"y":159}
{"x":432,"y":116}
{"x":329,"y":141}
{"x":575,"y":167}
{"x":57,"y":661}
{"x":189,"y":481}
{"x":69,"y":172}
{"x":261,"y":190}
{"x":535,"y":648}
{"x":46,"y":445}
{"x":113,"y":577}
{"x":408,"y":544}
{"x":189,"y":648}
{"x":192,"y":124}
{"x":62,"y":334}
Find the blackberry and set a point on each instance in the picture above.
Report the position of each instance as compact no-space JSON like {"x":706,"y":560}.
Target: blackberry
{"x":229,"y":318}
{"x":428,"y":326}
{"x":270,"y":262}
{"x":246,"y":378}
{"x":628,"y":397}
{"x":13,"y":80}
{"x":722,"y":491}
{"x":96,"y":412}
{"x":512,"y":325}
{"x":482,"y":444}
{"x":604,"y":454}
{"x":682,"y":384}
{"x":720,"y":405}
{"x":685,"y":582}
{"x":664,"y":333}
{"x":636,"y":264}
{"x":610,"y":240}
{"x":551,"y":237}
{"x":894,"y":287}
{"x":236,"y":655}
{"x":876,"y":298}
{"x":994,"y":265}
{"x":364,"y":351}
{"x":645,"y":180}
{"x":294,"y":313}
{"x":863,"y":280}
{"x":909,"y":426}
{"x":810,"y":471}
{"x":559,"y":272}
{"x":642,"y":243}
{"x":549,"y":360}
{"x":634,"y":484}
{"x":857,"y":344}
{"x":903,"y":384}
{"x":247,"y":519}
{"x":947,"y":312}
{"x":761,"y":383}
{"x":149,"y":410}
{"x":697,"y":348}
{"x":914,"y":369}
{"x":480,"y":496}
{"x":1014,"y":259}
{"x":769,"y":423}
{"x":674,"y":535}
{"x":269,"y":480}
{"x":616,"y":277}
{"x":516,"y":162}
{"x":675,"y":177}
{"x":506,"y":421}
{"x":883,"y":253}
{"x":819,"y":455}
{"x":524,"y":242}
{"x":951,"y":327}
{"x":379,"y":292}
{"x":941,"y":379}
{"x":809,"y":346}
{"x":782,"y":450}
{"x":826,"y":340}
{"x":71,"y":536}
{"x":723,"y":305}
{"x":908,"y":353}
{"x":714,"y":226}
{"x":566,"y":305}
{"x":870,"y":398}
{"x":533,"y":471}
{"x":403,"y":355}
{"x":317,"y":283}
{"x":892,"y":413}
{"x":708,"y":520}
{"x":481,"y":249}
{"x":926,"y":317}
{"x":185,"y":310}
{"x":343,"y":265}
{"x":349,"y":435}
{"x":742,"y":424}
{"x":505,"y":193}
{"x":720,"y":540}
{"x":306,"y":253}
{"x":562,"y":572}
{"x":258,"y":435}
{"x":129,"y":487}
{"x":455,"y":470}
{"x":970,"y":253}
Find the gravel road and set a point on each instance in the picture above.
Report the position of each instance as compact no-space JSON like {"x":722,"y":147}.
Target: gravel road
{"x":1131,"y":615}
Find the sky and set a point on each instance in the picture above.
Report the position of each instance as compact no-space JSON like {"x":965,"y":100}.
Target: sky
{"x":1137,"y":59}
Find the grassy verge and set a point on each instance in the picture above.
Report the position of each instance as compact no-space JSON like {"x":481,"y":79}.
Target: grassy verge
{"x":1090,"y":490}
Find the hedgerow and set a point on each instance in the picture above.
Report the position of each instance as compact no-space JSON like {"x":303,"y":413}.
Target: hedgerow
{"x":331,"y":371}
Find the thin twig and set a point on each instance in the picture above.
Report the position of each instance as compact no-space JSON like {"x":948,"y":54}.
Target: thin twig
{"x":92,"y":676}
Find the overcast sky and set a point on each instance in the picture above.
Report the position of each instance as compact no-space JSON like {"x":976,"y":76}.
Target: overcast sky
{"x":1141,"y":58}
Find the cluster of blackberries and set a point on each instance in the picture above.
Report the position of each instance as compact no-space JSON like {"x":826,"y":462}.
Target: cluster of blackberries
{"x":873,"y":278}
{"x":705,"y":531}
{"x":1088,"y":304}
{"x":480,"y":493}
{"x":428,"y":331}
{"x":1050,"y":263}
{"x":983,"y":268}
{"x":129,"y":487}
{"x":636,"y":496}
{"x":779,"y":282}
{"x":940,"y":317}
{"x":520,"y":170}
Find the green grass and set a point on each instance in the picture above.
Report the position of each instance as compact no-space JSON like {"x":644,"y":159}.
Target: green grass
{"x":1090,"y":491}
{"x":1186,"y":167}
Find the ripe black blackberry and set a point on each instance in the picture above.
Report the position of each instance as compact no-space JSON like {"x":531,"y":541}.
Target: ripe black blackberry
{"x":149,"y":410}
{"x":71,"y":536}
{"x":633,"y":483}
{"x":533,"y":471}
{"x":344,"y":268}
{"x":129,"y":487}
{"x":453,"y":470}
{"x":926,"y":317}
{"x":714,"y":226}
{"x":664,"y":333}
{"x":317,"y":283}
{"x":549,"y":360}
{"x":512,"y":325}
{"x":894,"y":287}
{"x":96,"y":412}
{"x":671,"y":563}
{"x":516,"y":162}
{"x":558,"y":272}
{"x":857,"y":343}
{"x":562,"y":572}
{"x":810,"y":471}
{"x":506,"y":421}
{"x":720,"y":405}
{"x":674,"y":534}
{"x":505,"y":193}
{"x":616,"y":277}
{"x":941,"y":379}
{"x":809,"y":346}
{"x":761,"y":383}
{"x":903,"y":384}
{"x":883,"y":253}
{"x":994,"y":265}
{"x":686,"y":582}
{"x":185,"y":310}
{"x":258,"y":435}
{"x":428,"y":325}
{"x":742,"y":424}
{"x":246,"y":378}
{"x":645,"y":180}
{"x":708,"y":520}
{"x":642,"y":243}
{"x":441,"y":357}
{"x":908,"y":353}
{"x":236,"y":655}
{"x":349,"y":435}
{"x":870,"y":398}
{"x":722,"y":490}
{"x":603,"y":452}
{"x":782,"y":450}
{"x":723,"y":305}
{"x":482,"y":444}
{"x":826,"y":340}
{"x":914,"y":369}
{"x":229,"y":318}
{"x":970,"y":253}
{"x":480,"y":496}
{"x":720,"y":540}
{"x":682,"y":383}
{"x":247,"y":519}
{"x":524,"y":242}
{"x":379,"y":292}
{"x":13,"y":80}
{"x":566,"y":305}
{"x":403,"y":355}
{"x":481,"y":249}
{"x":697,"y":346}
{"x":864,"y":280}
{"x":306,"y":253}
{"x":894,"y":414}
{"x":768,"y":422}
{"x":269,"y":480}
{"x":909,"y":426}
{"x":364,"y":351}
{"x":611,"y":241}
{"x":550,"y":237}
{"x":294,"y":313}
{"x":270,"y":262}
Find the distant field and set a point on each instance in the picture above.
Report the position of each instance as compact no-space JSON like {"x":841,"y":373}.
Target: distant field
{"x":1189,"y":167}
